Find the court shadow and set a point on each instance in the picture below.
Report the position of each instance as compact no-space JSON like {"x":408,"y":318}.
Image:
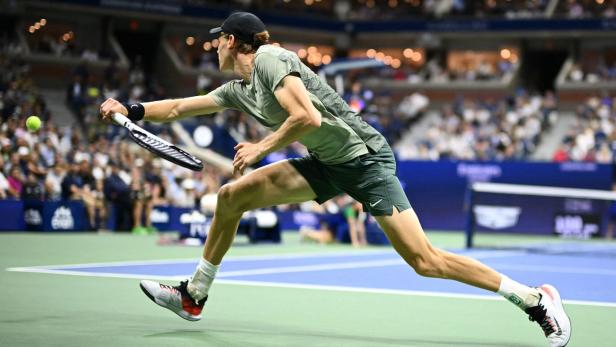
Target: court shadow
{"x":30,"y":319}
{"x":213,"y":334}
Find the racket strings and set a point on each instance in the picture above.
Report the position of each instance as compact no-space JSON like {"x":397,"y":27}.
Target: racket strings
{"x":163,"y":147}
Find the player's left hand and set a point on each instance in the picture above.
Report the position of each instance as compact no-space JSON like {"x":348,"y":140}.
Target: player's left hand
{"x":247,"y":154}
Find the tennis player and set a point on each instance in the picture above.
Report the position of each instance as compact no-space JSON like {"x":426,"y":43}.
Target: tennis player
{"x":346,"y":155}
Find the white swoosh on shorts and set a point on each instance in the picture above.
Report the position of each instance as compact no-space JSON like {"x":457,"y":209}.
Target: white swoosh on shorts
{"x":376,"y":203}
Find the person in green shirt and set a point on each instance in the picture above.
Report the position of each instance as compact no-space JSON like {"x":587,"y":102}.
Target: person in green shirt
{"x":346,"y":155}
{"x":355,"y":218}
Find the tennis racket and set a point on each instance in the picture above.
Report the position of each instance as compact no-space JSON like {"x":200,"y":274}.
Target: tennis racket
{"x":158,"y":146}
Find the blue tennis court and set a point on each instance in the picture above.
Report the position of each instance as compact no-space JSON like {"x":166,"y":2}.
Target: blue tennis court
{"x":581,"y":279}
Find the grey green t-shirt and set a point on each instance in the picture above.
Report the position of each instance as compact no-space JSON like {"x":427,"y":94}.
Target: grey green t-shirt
{"x":343,"y":135}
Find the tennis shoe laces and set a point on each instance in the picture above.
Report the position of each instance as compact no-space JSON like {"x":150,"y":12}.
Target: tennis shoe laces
{"x":551,"y":317}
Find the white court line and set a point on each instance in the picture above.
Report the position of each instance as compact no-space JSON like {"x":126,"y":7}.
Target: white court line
{"x":195,"y":260}
{"x":395,"y":292}
{"x":94,"y":274}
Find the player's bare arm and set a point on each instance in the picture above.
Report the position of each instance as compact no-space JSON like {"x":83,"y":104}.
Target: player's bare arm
{"x":166,"y":110}
{"x":303,"y":118}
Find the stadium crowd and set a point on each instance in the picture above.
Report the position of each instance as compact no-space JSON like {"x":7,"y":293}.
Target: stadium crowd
{"x":507,"y":129}
{"x":93,"y":166}
{"x":594,"y":68}
{"x":593,"y":137}
{"x":371,"y":9}
{"x":586,"y":9}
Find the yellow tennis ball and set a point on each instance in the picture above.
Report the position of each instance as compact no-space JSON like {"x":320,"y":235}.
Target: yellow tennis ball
{"x":33,"y":123}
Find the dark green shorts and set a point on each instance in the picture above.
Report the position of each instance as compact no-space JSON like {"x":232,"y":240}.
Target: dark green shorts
{"x":370,"y":179}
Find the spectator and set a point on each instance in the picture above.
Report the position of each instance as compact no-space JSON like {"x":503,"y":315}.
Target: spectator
{"x":141,"y":194}
{"x":53,"y":182}
{"x":15,"y":182}
{"x":185,"y":196}
{"x":117,"y":192}
{"x":4,"y":186}
{"x":355,"y":218}
{"x":78,"y":184}
{"x":32,"y":189}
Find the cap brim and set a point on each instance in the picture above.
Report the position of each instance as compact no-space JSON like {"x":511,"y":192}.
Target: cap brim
{"x":216,"y":30}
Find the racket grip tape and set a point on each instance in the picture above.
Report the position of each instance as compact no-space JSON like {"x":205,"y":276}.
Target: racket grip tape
{"x":120,"y":119}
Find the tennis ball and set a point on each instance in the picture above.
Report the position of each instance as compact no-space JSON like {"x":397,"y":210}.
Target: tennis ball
{"x":33,"y":123}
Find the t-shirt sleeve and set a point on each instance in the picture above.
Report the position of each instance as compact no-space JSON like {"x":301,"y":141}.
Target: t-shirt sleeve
{"x":223,"y":95}
{"x":349,"y":212}
{"x":273,"y":68}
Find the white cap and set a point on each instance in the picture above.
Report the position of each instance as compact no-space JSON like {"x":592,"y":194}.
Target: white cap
{"x":23,"y":150}
{"x":98,"y":173}
{"x":188,"y":184}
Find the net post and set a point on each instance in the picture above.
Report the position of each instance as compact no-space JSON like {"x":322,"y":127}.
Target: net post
{"x":470,"y":217}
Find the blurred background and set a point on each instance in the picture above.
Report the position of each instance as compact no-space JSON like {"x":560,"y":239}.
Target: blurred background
{"x":515,"y":91}
{"x":502,"y":116}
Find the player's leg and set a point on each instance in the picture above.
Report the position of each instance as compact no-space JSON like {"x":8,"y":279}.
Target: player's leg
{"x":542,"y":304}
{"x":408,"y":239}
{"x":274,"y":184}
{"x":372,"y":181}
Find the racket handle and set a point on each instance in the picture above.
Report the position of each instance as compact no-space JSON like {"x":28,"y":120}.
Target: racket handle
{"x":121,"y":119}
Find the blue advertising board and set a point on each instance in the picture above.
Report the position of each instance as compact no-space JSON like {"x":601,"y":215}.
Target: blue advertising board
{"x":437,"y":190}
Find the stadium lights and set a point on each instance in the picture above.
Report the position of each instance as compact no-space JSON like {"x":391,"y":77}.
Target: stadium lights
{"x":37,"y":25}
{"x":67,"y":36}
{"x":505,"y":53}
{"x":416,"y":57}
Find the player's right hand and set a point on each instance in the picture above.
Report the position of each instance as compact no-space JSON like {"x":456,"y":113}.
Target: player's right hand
{"x":111,"y":106}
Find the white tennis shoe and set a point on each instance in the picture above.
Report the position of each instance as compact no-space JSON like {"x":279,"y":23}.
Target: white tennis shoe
{"x":551,"y":316}
{"x":176,"y":299}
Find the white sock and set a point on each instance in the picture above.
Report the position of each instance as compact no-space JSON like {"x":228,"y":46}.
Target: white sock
{"x":200,"y":283}
{"x":520,"y":295}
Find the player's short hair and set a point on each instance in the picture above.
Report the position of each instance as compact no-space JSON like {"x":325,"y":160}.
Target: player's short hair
{"x":259,"y":40}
